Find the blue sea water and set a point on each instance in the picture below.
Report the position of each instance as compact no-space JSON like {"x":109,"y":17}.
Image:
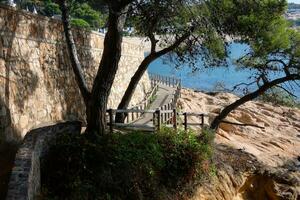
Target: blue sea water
{"x":206,"y":79}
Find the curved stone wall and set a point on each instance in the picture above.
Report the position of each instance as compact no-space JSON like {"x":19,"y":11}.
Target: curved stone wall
{"x":36,"y":81}
{"x":25,"y":179}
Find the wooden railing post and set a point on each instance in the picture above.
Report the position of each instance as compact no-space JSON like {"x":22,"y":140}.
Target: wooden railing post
{"x":174,"y":119}
{"x":111,"y":119}
{"x":158,"y":119}
{"x":136,"y":113}
{"x":202,"y":121}
{"x":165,"y":114}
{"x":132,"y":116}
{"x":154,"y":120}
{"x":185,"y":121}
{"x":169,"y":114}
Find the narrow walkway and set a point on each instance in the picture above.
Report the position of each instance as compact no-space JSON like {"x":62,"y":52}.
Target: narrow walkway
{"x":163,"y":96}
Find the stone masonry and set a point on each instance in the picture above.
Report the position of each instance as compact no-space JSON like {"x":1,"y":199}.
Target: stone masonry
{"x":25,"y":180}
{"x":36,"y":80}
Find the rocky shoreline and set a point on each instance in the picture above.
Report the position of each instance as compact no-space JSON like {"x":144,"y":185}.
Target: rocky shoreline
{"x":252,"y":162}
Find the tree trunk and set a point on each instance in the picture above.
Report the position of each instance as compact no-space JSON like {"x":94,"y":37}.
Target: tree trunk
{"x":120,"y":117}
{"x":224,"y":113}
{"x":72,"y":51}
{"x":96,"y":108}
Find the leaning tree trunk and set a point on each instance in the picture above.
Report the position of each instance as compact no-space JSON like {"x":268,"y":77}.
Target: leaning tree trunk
{"x":120,"y":117}
{"x":142,"y":69}
{"x":72,"y":51}
{"x":224,"y":113}
{"x":97,"y":105}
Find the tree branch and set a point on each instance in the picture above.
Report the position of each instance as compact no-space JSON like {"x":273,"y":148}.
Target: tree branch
{"x":75,"y":63}
{"x":287,"y":91}
{"x":140,"y":72}
{"x":240,"y":84}
{"x":224,"y":113}
{"x":176,"y":43}
{"x":153,"y":42}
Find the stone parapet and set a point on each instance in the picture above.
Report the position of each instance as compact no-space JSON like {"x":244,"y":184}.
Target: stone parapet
{"x":25,"y":180}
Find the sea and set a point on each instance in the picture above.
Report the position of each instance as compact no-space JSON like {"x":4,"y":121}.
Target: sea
{"x":217,"y":78}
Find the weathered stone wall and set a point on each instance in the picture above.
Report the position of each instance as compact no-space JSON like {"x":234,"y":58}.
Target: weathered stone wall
{"x":25,"y":180}
{"x":36,"y":81}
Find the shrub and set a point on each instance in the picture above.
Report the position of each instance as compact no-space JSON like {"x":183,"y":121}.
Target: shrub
{"x":131,"y":166}
{"x":80,"y":23}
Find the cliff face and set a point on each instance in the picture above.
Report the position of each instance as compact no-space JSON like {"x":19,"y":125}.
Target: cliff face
{"x":253,"y":162}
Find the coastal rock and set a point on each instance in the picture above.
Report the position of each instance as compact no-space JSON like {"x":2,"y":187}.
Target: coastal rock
{"x":252,"y":163}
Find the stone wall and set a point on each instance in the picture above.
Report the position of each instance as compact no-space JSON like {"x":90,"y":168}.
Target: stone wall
{"x":36,"y":81}
{"x":25,"y":180}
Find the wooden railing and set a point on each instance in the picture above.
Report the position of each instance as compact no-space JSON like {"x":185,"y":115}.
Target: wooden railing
{"x":168,"y":111}
{"x":159,"y":118}
{"x":134,"y":112}
{"x":166,"y":80}
{"x":185,"y":122}
{"x":164,"y":115}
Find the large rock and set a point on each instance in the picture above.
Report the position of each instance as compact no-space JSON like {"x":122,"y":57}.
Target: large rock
{"x":270,"y":155}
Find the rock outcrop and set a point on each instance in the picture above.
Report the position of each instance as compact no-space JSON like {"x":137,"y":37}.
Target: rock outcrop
{"x":253,"y":162}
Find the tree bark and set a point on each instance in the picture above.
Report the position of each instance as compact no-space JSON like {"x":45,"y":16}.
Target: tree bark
{"x":224,"y":113}
{"x":72,"y":51}
{"x":96,"y":100}
{"x":97,"y":105}
{"x":120,"y":117}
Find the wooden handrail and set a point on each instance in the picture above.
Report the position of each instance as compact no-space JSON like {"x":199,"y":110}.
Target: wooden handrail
{"x":153,"y":91}
{"x":166,"y":114}
{"x":194,"y":114}
{"x":159,"y":117}
{"x":167,"y":80}
{"x":133,"y":111}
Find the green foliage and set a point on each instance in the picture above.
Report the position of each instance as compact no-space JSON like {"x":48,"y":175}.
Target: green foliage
{"x":50,"y":8}
{"x":259,"y":23}
{"x":127,"y":166}
{"x":278,"y":96}
{"x":85,"y":12}
{"x":80,"y":23}
{"x":82,"y":13}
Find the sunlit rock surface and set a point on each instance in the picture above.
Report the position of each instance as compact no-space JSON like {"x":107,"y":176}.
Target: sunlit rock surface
{"x":253,"y":162}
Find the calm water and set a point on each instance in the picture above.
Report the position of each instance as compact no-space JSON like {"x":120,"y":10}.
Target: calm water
{"x":206,"y":79}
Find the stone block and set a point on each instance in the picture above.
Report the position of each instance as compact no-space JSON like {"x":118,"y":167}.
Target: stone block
{"x":25,"y":180}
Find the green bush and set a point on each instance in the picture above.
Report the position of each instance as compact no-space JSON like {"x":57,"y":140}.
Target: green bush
{"x":130,"y":166}
{"x":84,"y":11}
{"x":80,"y":23}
